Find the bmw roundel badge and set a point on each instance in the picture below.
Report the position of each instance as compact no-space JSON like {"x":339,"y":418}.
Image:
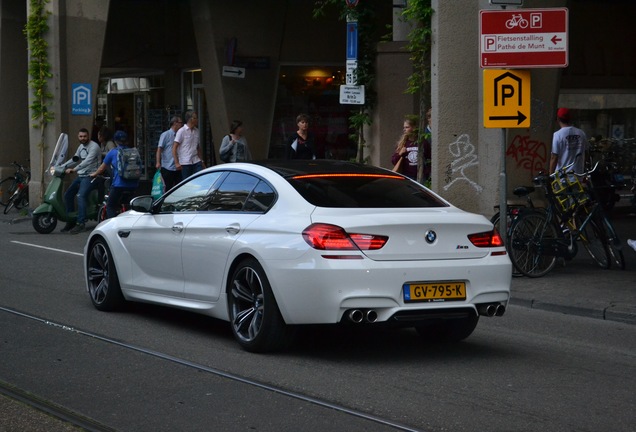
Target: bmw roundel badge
{"x":430,"y":236}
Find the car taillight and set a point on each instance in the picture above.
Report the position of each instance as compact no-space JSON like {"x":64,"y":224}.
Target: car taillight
{"x":486,"y":239}
{"x":332,"y":237}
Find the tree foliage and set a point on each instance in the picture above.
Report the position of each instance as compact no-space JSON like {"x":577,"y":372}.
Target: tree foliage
{"x":419,"y":13}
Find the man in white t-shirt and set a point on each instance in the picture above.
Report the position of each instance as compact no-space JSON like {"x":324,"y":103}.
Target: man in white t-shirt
{"x":186,"y":149}
{"x":569,"y":144}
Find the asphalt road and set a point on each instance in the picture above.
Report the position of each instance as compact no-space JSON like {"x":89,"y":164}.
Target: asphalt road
{"x":154,"y":369}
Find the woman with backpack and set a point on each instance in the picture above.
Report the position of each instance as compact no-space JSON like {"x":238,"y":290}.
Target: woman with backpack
{"x":126,"y":166}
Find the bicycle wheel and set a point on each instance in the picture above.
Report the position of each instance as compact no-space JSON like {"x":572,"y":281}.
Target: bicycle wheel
{"x":529,"y":235}
{"x":593,"y":239}
{"x":7,"y":188}
{"x":495,"y":222}
{"x":614,"y":245}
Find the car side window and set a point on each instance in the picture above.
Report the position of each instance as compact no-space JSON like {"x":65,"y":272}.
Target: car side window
{"x":191,"y":196}
{"x":261,"y":199}
{"x":233,"y":192}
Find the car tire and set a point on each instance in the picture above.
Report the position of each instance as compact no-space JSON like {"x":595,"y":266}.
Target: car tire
{"x":102,"y":280}
{"x":448,"y":330}
{"x":256,"y":321}
{"x":44,"y":223}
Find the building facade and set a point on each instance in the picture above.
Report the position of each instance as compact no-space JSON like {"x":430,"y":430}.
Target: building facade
{"x":266,"y":62}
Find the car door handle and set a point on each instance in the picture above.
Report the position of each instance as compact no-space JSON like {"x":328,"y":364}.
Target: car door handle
{"x":233,"y":229}
{"x":177,"y":227}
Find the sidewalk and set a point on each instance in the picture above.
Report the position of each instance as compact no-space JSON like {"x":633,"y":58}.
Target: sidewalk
{"x":582,"y":288}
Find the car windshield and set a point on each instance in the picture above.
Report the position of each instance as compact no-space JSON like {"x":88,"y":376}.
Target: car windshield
{"x":344,"y":190}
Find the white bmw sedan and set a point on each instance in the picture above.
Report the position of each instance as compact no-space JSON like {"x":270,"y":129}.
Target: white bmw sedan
{"x":270,"y":246}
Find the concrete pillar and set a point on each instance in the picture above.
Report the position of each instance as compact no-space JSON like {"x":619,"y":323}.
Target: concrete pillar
{"x":466,"y":156}
{"x":14,"y":145}
{"x":77,"y":29}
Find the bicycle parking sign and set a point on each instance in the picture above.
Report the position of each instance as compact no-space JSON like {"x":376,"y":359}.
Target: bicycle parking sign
{"x":524,"y":38}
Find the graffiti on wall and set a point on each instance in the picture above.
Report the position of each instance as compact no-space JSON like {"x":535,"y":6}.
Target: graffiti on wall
{"x":529,"y":154}
{"x":465,"y":157}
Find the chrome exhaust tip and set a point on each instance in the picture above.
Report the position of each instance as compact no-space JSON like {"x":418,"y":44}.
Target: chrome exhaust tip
{"x":371,"y":316}
{"x":488,"y":310}
{"x":501,"y":309}
{"x":356,"y":316}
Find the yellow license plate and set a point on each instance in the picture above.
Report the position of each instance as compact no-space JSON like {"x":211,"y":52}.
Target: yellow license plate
{"x":434,"y":291}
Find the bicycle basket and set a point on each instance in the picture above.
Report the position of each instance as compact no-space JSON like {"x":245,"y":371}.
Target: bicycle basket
{"x":568,"y":190}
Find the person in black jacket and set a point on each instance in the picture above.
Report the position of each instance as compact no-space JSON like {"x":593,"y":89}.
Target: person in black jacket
{"x":302,"y":142}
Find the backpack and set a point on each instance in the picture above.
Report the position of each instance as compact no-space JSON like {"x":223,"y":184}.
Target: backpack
{"x":129,"y":164}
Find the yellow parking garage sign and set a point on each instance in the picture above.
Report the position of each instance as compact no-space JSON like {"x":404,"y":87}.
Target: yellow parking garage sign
{"x":506,"y":98}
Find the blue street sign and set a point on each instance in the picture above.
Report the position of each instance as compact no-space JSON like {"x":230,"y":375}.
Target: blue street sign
{"x":82,"y":97}
{"x":352,"y":41}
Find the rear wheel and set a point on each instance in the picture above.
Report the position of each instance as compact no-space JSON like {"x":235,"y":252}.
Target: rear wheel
{"x":495,"y":222}
{"x":593,"y":239}
{"x":529,"y":235}
{"x":102,"y":279}
{"x":256,"y":321}
{"x":44,"y":223}
{"x":449,"y":330}
{"x":7,"y":187}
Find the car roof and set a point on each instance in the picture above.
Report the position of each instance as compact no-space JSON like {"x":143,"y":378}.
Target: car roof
{"x":295,"y":167}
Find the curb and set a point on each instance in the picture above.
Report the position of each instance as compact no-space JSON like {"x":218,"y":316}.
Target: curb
{"x":613,"y":312}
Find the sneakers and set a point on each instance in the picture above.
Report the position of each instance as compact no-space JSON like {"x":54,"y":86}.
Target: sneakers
{"x":632,"y":244}
{"x":78,"y":229}
{"x":69,"y":226}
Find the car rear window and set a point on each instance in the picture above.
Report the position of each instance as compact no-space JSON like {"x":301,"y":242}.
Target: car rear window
{"x":363,"y":191}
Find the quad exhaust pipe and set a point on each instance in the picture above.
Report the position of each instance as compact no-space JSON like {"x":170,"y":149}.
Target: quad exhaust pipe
{"x":491,"y":309}
{"x":358,"y":315}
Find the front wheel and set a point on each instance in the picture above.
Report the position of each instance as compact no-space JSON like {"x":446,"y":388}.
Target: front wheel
{"x":101,"y":213}
{"x":8,"y":187}
{"x":257,"y":323}
{"x":529,"y":244}
{"x":44,"y":223}
{"x":102,"y":280}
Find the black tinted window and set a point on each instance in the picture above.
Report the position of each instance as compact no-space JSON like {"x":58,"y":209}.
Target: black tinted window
{"x":363,"y":191}
{"x":261,"y":198}
{"x":190,"y":196}
{"x":232,"y":193}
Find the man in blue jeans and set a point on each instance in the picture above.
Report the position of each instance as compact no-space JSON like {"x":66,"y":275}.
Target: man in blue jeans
{"x":88,"y":153}
{"x":119,"y":185}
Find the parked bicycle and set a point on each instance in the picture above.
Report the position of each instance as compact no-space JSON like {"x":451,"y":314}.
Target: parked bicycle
{"x":513,"y":211}
{"x":14,"y":190}
{"x":538,"y":237}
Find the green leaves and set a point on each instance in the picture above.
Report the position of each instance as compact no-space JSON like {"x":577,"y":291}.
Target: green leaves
{"x":39,"y":68}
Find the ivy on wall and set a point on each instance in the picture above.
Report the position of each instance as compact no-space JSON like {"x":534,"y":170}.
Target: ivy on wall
{"x":39,"y":72}
{"x":419,"y":13}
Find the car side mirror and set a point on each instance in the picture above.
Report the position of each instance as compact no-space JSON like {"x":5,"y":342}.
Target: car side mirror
{"x":141,"y":204}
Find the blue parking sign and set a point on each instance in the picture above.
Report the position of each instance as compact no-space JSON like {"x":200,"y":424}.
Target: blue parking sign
{"x":81,"y":97}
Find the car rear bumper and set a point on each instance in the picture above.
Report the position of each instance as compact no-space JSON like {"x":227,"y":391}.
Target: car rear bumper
{"x":323,"y":291}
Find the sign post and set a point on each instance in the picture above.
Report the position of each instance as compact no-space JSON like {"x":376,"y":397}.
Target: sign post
{"x":519,"y":38}
{"x":351,"y":93}
{"x":523,"y":38}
